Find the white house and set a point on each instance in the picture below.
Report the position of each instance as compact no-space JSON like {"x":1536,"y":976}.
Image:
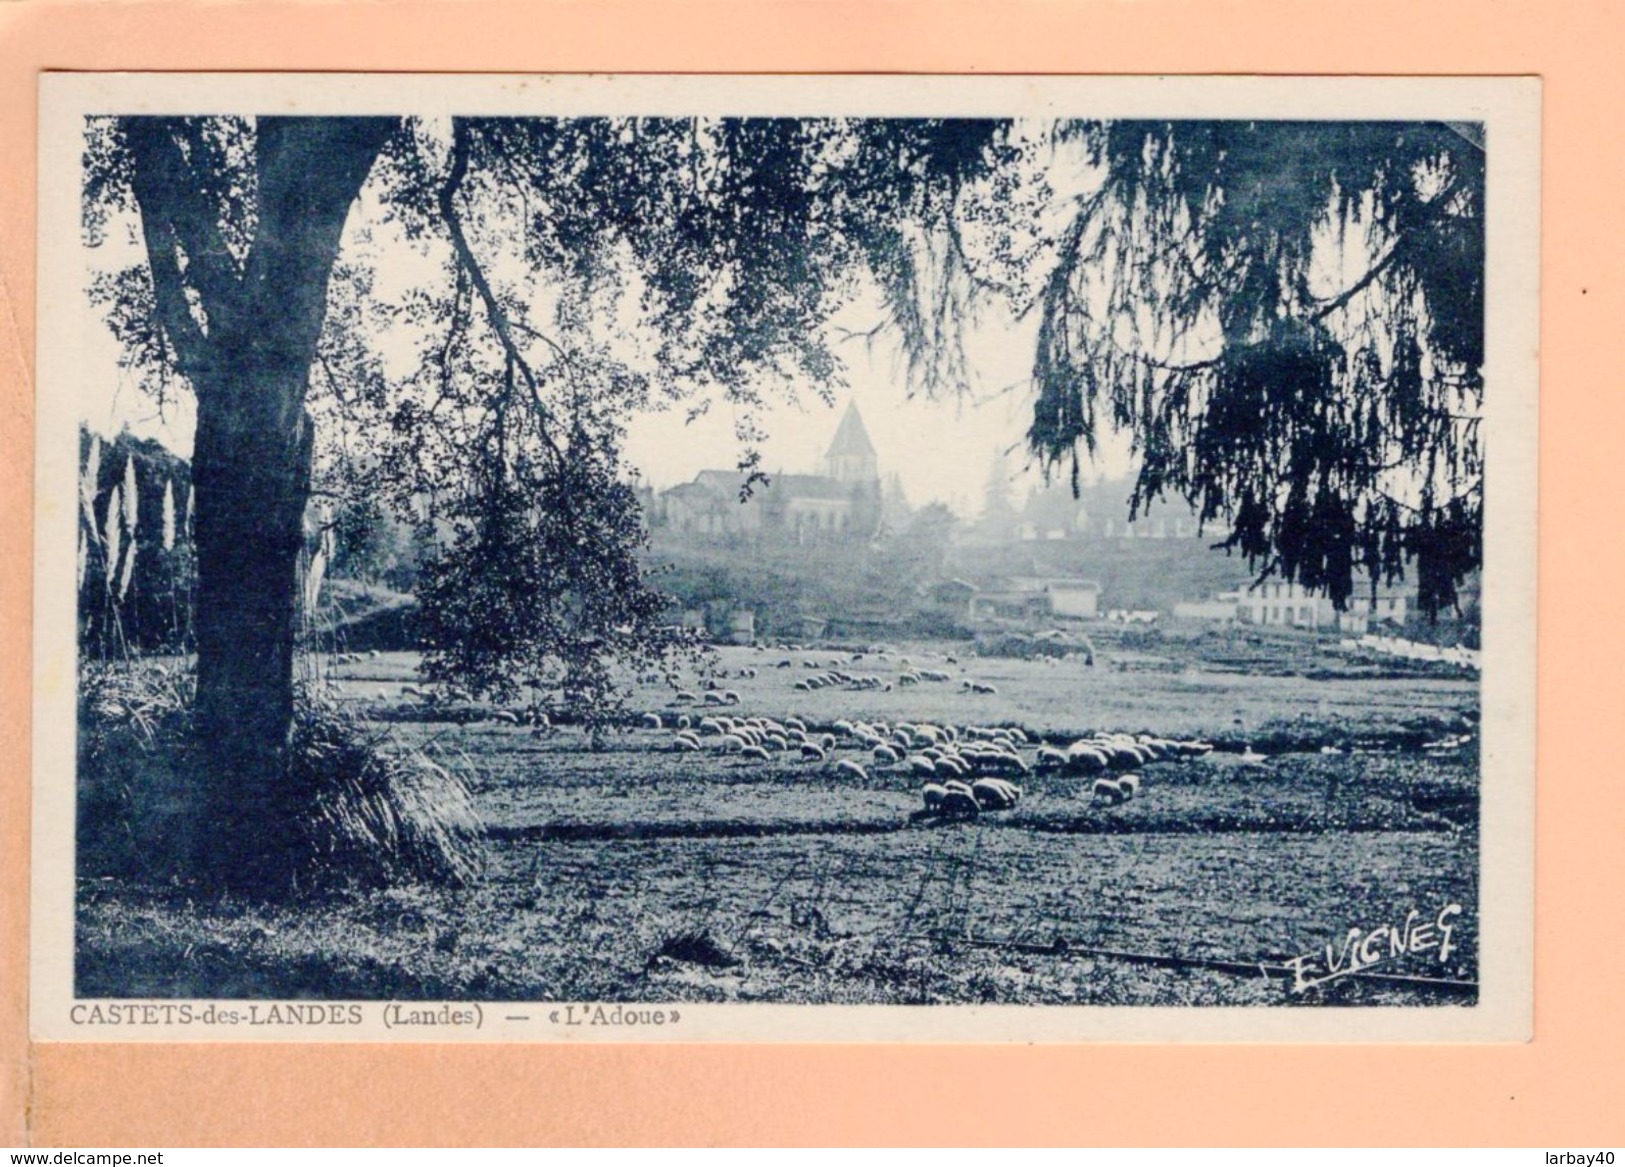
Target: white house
{"x":1291,"y":605}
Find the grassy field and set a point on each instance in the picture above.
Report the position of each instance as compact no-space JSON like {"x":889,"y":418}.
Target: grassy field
{"x":637,"y":871}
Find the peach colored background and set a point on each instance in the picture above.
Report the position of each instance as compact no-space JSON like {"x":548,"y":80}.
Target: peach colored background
{"x":1554,"y":1091}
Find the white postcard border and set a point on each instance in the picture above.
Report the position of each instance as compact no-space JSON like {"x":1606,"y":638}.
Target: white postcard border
{"x":1510,"y":111}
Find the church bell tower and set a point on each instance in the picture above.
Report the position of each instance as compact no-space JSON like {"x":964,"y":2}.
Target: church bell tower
{"x":851,"y":457}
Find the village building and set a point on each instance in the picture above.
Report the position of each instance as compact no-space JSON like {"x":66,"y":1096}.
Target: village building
{"x":1389,"y":606}
{"x":845,"y":502}
{"x":1052,"y":514}
{"x":1291,"y":605}
{"x":1033,"y":600}
{"x":1221,"y":609}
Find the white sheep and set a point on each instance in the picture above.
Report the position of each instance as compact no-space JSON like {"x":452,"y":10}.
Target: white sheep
{"x":1155,"y":749}
{"x":958,"y":800}
{"x":1084,"y":757}
{"x":652,"y":721}
{"x":995,"y":793}
{"x":851,"y":769}
{"x":1050,"y":758}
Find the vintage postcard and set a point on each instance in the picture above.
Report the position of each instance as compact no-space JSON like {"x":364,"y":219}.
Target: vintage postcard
{"x":685,"y":558}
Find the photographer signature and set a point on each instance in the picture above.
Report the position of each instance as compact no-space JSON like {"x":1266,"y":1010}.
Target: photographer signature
{"x":1362,"y":949}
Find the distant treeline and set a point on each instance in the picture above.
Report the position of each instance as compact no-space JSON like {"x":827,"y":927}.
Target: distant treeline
{"x":885,"y":587}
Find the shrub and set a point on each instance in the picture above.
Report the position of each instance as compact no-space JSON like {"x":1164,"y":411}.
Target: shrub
{"x":379,"y":813}
{"x":373,"y":812}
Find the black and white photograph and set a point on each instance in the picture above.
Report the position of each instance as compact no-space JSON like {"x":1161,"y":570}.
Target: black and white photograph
{"x":684,"y":558}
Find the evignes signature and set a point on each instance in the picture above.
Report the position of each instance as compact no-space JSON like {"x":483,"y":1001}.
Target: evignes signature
{"x":1363,"y":948}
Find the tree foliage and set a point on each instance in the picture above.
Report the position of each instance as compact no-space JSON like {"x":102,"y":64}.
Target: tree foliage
{"x":1289,"y":320}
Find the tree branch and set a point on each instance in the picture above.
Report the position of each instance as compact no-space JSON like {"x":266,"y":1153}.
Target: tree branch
{"x":178,"y":218}
{"x":500,"y":323}
{"x":169,"y":297}
{"x":1435,"y":208}
{"x":161,"y":190}
{"x":1372,"y":274}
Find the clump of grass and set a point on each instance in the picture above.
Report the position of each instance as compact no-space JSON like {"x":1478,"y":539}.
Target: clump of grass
{"x":364,"y":810}
{"x":138,"y":797}
{"x":380,"y":813}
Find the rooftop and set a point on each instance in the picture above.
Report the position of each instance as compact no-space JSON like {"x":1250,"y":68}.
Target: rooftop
{"x":852,"y":438}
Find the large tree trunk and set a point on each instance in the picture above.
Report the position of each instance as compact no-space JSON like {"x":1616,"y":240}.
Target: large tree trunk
{"x":251,"y":484}
{"x":249,"y":359}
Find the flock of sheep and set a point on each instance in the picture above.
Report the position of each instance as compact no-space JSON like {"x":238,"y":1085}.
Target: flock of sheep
{"x":965,"y":772}
{"x":833,"y":672}
{"x":1102,"y":753}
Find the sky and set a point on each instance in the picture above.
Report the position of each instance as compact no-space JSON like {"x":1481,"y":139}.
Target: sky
{"x":942,"y":450}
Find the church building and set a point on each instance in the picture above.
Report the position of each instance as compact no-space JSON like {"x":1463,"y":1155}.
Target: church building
{"x":843,"y":503}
